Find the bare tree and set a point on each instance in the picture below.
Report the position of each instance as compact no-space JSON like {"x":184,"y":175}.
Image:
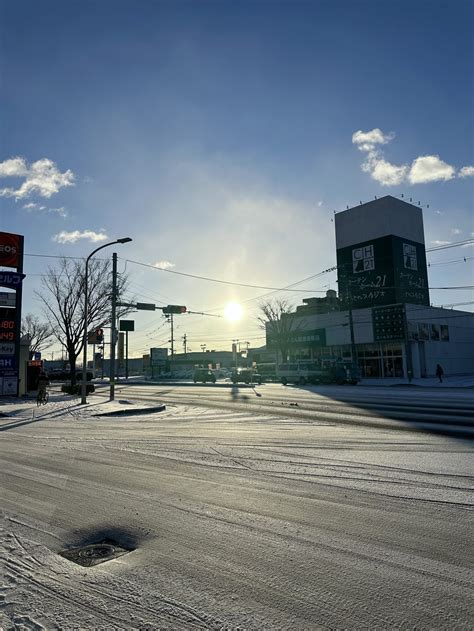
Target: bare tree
{"x":63,"y":302}
{"x":279,"y":323}
{"x":40,"y":334}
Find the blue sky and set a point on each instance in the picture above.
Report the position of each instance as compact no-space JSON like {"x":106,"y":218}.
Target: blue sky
{"x":220,"y":136}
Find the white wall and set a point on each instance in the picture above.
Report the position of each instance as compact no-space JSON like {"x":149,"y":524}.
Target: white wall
{"x":379,"y":218}
{"x":456,"y":356}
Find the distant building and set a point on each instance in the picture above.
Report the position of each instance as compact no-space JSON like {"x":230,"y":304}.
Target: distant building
{"x":320,"y":305}
{"x":383,"y":284}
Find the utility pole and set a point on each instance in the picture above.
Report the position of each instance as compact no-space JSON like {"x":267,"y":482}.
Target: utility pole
{"x":185,"y":344}
{"x":172,"y":336}
{"x":113,"y":333}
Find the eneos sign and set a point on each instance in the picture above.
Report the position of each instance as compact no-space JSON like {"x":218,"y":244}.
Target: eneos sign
{"x":10,"y":254}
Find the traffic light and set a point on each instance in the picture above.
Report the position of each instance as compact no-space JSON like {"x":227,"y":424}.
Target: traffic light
{"x":99,"y":336}
{"x":174,"y":309}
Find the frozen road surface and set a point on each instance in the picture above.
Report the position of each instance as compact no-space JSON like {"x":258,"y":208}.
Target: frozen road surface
{"x":237,"y":514}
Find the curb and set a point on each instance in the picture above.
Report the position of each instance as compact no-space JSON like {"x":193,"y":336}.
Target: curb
{"x":134,"y":412}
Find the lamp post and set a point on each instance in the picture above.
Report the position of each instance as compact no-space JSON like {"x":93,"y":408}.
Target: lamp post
{"x":86,"y":305}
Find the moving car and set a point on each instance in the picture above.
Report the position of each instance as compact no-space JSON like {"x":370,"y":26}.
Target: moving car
{"x":246,"y":375}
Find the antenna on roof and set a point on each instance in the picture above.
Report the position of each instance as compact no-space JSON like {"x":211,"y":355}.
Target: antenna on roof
{"x":375,"y":196}
{"x":419,"y":204}
{"x":411,"y":199}
{"x":402,"y":195}
{"x":360,"y":202}
{"x":347,"y":207}
{"x":427,"y":205}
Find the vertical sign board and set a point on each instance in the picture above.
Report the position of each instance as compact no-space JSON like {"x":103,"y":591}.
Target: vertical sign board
{"x":383,"y":271}
{"x":11,"y":256}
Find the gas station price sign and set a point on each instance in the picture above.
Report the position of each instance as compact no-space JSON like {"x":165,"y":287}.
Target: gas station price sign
{"x":8,"y":332}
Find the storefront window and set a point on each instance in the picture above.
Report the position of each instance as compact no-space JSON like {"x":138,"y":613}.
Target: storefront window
{"x":423,"y":331}
{"x":444,"y":333}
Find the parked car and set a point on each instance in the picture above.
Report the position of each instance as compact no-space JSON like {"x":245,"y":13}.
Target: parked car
{"x":204,"y":375}
{"x":246,"y":375}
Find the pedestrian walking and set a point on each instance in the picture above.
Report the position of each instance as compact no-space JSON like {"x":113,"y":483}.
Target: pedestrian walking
{"x":439,"y":372}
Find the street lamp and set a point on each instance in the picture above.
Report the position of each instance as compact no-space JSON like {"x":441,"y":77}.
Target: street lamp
{"x":86,"y":305}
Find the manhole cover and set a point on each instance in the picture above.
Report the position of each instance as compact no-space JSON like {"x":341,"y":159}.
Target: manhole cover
{"x":94,"y":553}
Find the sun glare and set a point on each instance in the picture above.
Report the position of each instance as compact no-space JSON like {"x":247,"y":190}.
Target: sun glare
{"x":233,"y":311}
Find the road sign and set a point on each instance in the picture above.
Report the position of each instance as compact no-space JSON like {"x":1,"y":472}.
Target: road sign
{"x":127,"y":325}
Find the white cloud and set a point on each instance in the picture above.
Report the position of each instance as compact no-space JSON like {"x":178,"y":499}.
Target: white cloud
{"x":14,"y":167}
{"x":455,"y":231}
{"x":388,"y":174}
{"x":430,"y":169}
{"x":423,"y":169}
{"x":75,"y":235}
{"x":163,"y":264}
{"x":438,"y":242}
{"x":320,"y":204}
{"x":62,"y":212}
{"x":42,"y":178}
{"x":31,"y":206}
{"x":367,"y":140}
{"x":466,"y":172}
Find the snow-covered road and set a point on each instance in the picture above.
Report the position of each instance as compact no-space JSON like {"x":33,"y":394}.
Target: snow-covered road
{"x":236,"y":520}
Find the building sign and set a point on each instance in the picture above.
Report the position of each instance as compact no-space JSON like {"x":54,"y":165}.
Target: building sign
{"x":363,"y":259}
{"x":10,"y":249}
{"x":7,"y":363}
{"x":7,"y":348}
{"x":127,"y":325}
{"x":158,"y":356}
{"x":388,"y":323}
{"x":11,"y":280}
{"x":7,"y":299}
{"x":383,"y":271}
{"x":11,"y":255}
{"x":410,"y":260}
{"x":310,"y":338}
{"x":9,"y":385}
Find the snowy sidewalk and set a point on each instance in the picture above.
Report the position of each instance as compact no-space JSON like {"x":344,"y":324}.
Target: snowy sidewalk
{"x":466,"y":381}
{"x":20,"y":411}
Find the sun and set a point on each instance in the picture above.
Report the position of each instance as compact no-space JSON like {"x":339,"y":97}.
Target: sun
{"x":233,"y":311}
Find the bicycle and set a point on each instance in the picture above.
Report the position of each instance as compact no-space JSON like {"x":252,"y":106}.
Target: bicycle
{"x":42,"y":397}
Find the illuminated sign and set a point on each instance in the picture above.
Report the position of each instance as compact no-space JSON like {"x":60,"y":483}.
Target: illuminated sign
{"x":10,"y":254}
{"x":8,"y":332}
